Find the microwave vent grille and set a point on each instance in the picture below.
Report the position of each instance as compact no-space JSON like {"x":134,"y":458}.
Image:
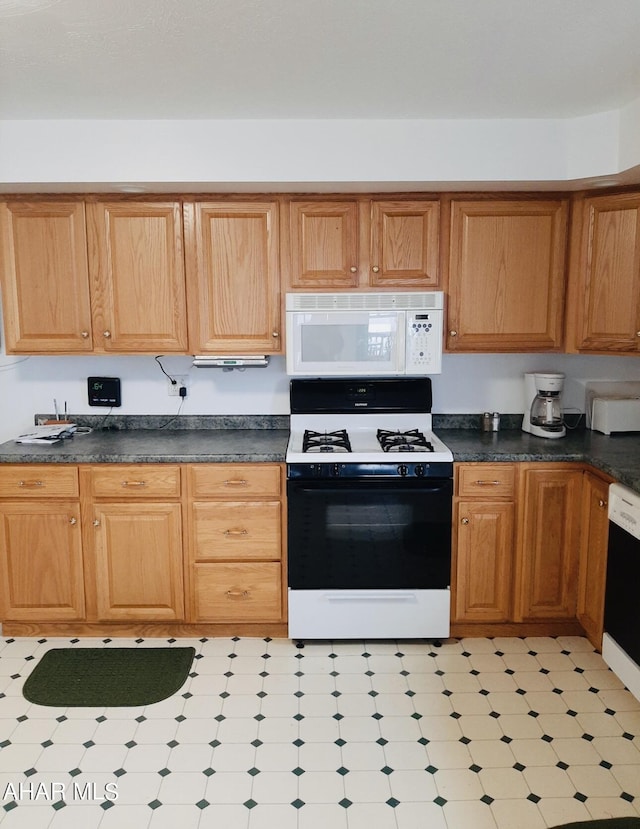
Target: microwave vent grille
{"x":365,"y":301}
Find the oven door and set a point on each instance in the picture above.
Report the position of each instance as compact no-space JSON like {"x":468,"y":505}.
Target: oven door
{"x":368,"y":534}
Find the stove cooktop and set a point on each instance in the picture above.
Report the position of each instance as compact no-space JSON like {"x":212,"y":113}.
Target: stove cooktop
{"x":374,"y":438}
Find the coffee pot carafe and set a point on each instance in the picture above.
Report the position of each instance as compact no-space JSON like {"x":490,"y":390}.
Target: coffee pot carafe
{"x":544,"y":416}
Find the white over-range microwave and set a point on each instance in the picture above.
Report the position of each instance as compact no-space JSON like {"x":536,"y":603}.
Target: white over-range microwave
{"x":364,"y":335}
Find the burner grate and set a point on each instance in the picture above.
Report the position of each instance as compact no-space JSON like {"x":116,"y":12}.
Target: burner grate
{"x":336,"y":441}
{"x":411,"y":440}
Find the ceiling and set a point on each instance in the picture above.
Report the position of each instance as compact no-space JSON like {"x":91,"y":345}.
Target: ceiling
{"x":317,"y":59}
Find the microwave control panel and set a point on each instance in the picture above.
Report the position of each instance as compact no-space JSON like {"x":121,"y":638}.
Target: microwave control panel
{"x":424,"y":342}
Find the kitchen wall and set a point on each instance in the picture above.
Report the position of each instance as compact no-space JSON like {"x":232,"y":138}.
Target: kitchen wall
{"x":307,"y":154}
{"x":468,"y":383}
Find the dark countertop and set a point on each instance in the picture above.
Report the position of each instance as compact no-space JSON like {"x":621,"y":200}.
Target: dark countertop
{"x":617,"y":455}
{"x":156,"y":446}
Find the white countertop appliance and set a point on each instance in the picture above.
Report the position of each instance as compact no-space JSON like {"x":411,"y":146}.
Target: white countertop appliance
{"x":364,"y":335}
{"x":369,"y":493}
{"x":621,"y":640}
{"x":543,"y":414}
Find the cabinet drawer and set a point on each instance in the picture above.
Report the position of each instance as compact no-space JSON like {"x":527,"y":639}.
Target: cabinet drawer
{"x":135,"y":481}
{"x":237,"y":529}
{"x":33,"y":481}
{"x":234,"y":480}
{"x":489,"y":480}
{"x":250,"y":592}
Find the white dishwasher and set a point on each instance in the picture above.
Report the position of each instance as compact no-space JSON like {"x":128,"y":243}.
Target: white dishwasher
{"x":621,"y":640}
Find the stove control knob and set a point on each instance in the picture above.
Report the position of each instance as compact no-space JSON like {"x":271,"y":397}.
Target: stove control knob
{"x":336,"y":470}
{"x":419,"y":470}
{"x":403,"y":470}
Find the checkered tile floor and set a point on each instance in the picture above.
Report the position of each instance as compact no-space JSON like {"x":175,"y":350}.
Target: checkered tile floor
{"x":474,"y":734}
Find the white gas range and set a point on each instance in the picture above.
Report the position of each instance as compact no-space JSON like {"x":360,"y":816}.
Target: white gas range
{"x":370,"y":490}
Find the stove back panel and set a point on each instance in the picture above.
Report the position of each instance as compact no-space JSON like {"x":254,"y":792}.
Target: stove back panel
{"x":355,"y":396}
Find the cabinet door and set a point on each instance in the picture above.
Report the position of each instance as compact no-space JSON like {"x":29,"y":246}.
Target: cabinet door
{"x":233,"y":277}
{"x":45,"y":277}
{"x":404,"y":244}
{"x":484,"y":552}
{"x":138,"y":562}
{"x":136,"y":260}
{"x":549,"y":526}
{"x":324,"y":244}
{"x":605,"y":276}
{"x":41,"y":562}
{"x":506,"y":275}
{"x":593,"y":557}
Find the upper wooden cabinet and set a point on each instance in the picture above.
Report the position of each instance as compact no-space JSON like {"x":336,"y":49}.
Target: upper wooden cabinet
{"x":353,"y":244}
{"x":324,"y":244}
{"x":102,"y":277}
{"x":233,"y":277}
{"x":45,"y":277}
{"x":604,"y":290}
{"x":506,"y":275}
{"x":136,"y":264}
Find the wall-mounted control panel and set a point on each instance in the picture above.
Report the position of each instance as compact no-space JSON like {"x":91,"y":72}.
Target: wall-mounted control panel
{"x":104,"y":391}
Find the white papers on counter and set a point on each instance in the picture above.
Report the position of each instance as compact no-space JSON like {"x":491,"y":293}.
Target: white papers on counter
{"x":47,"y":434}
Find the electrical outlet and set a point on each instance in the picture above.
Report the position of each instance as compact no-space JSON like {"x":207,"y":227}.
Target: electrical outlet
{"x":181,"y":380}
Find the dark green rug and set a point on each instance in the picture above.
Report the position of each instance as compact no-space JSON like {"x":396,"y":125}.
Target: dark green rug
{"x":107,"y":676}
{"x":604,"y":823}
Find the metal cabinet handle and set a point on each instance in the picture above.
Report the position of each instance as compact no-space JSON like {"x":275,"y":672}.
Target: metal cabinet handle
{"x":73,"y":521}
{"x":453,"y":333}
{"x":353,"y":269}
{"x":134,"y":483}
{"x":84,"y":335}
{"x":488,"y":483}
{"x":235,"y":533}
{"x":275,"y":334}
{"x":237,"y":594}
{"x":602,"y":503}
{"x":464,"y":521}
{"x":30,"y":484}
{"x":106,"y":334}
{"x":375,"y":269}
{"x":96,"y":522}
{"x":235,"y":482}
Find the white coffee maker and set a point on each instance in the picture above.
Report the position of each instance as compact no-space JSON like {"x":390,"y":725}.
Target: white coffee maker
{"x":543,"y":410}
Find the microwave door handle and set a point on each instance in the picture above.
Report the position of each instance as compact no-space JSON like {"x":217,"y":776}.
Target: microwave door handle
{"x":403,"y":321}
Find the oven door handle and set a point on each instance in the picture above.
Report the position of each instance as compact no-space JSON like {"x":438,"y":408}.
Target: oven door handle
{"x":371,"y":596}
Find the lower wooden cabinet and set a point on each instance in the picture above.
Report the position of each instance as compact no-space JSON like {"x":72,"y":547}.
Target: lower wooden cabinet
{"x":41,"y":562}
{"x":133,"y":542}
{"x":41,"y":566}
{"x":529,"y":549}
{"x":235,"y":543}
{"x":593,"y":555}
{"x":138,"y":562}
{"x":115,"y":546}
{"x":548,"y":538}
{"x":484,"y":521}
